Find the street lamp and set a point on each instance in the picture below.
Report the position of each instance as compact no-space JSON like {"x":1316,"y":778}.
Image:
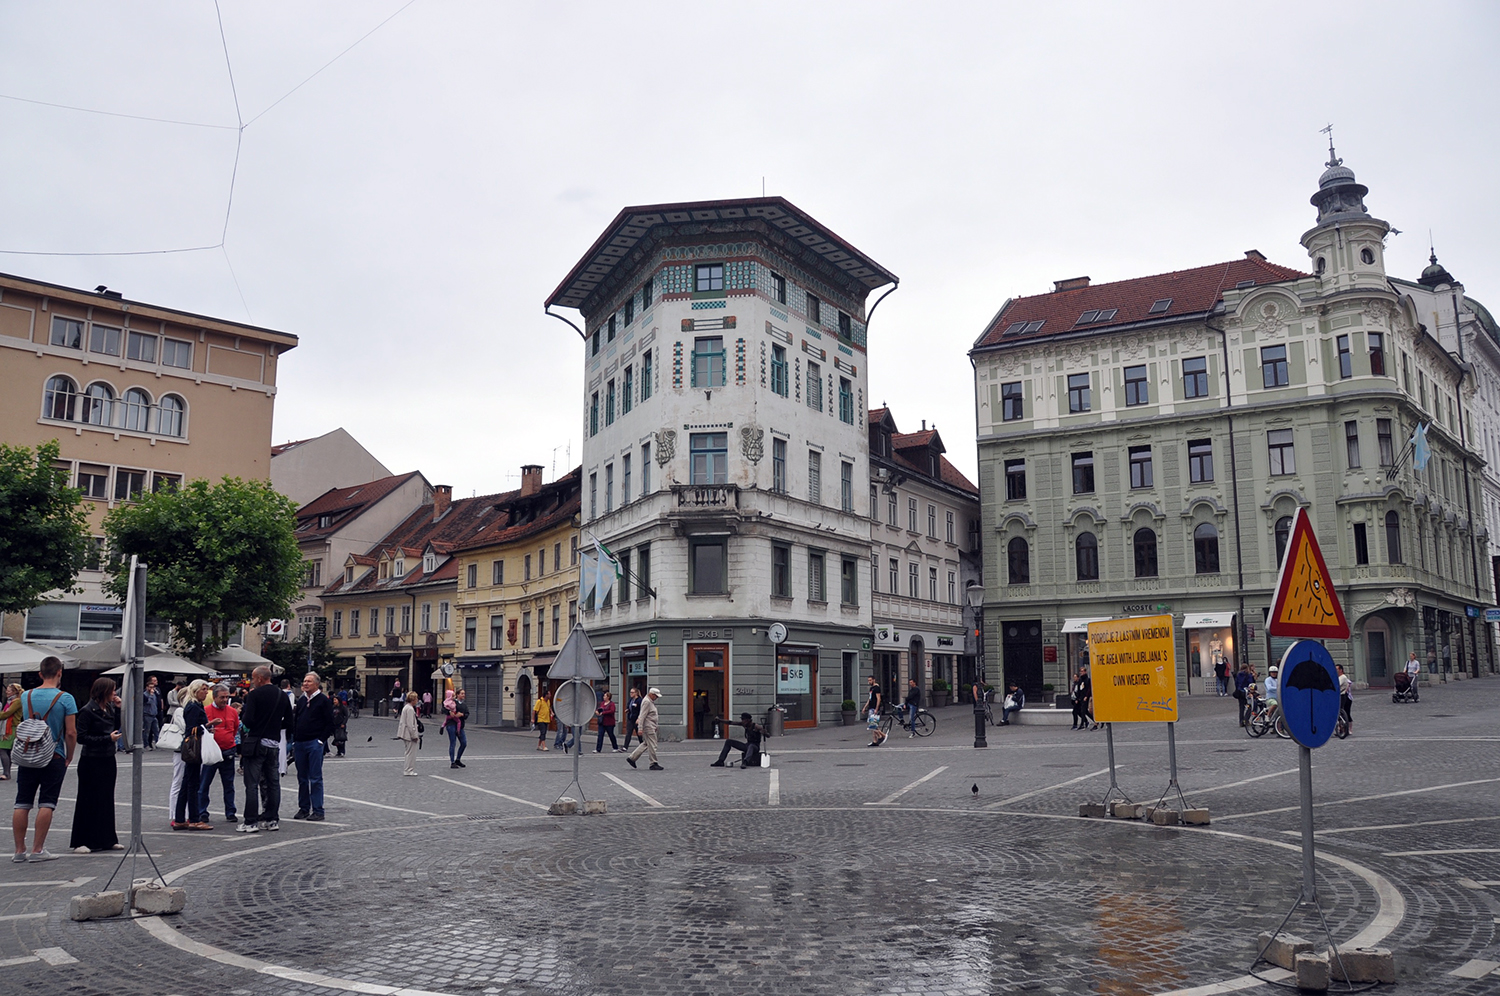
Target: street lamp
{"x":974,"y":595}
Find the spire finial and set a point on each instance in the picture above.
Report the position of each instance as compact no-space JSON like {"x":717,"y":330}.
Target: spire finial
{"x":1333,"y":160}
{"x":1433,"y":258}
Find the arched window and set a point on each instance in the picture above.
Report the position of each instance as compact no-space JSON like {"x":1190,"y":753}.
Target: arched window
{"x":1086,"y":552}
{"x":1145,"y":553}
{"x":137,"y":410}
{"x":1283,"y":535}
{"x":99,"y":404}
{"x":1020,"y":561}
{"x":1206,"y":548}
{"x":169,"y":415}
{"x":1393,"y":538}
{"x":61,"y":399}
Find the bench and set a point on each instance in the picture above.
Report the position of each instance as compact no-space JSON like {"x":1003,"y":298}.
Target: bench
{"x":1042,"y":716}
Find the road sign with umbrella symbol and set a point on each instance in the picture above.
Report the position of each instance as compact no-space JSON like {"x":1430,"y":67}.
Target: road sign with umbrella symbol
{"x":1309,"y":693}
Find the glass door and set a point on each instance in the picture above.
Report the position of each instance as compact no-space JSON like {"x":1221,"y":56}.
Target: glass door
{"x":797,"y":684}
{"x":707,"y":702}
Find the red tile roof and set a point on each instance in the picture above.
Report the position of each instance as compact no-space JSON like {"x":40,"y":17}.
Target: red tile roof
{"x":345,"y":504}
{"x":1190,"y":291}
{"x":283,"y":447}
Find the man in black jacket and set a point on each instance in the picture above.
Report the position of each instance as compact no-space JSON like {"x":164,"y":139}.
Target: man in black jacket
{"x":312,"y":725}
{"x":265,"y":716}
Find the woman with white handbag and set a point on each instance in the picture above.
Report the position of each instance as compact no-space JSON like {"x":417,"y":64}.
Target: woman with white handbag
{"x":192,"y":719}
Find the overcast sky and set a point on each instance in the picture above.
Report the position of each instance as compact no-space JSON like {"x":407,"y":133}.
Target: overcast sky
{"x":406,"y":212}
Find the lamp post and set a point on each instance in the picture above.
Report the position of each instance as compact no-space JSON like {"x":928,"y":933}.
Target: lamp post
{"x":974,"y":595}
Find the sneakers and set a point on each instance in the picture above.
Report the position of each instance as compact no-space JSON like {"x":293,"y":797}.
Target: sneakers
{"x":248,"y":828}
{"x":19,"y":857}
{"x":630,"y":761}
{"x":42,"y":855}
{"x":315,"y":818}
{"x":656,"y":767}
{"x":460,"y":764}
{"x":272,"y":825}
{"x":717,"y":764}
{"x":453,"y":764}
{"x":300,"y":814}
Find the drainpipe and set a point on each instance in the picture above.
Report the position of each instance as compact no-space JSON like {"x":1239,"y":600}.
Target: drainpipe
{"x":1241,"y":648}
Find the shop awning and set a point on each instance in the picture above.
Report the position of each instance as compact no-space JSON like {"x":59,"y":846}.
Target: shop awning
{"x":541,"y":660}
{"x":1082,"y":625}
{"x":479,"y":663}
{"x":1207,"y":620}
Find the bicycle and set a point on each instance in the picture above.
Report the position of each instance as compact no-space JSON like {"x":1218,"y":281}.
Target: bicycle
{"x":1341,"y":726}
{"x":1264,"y":718}
{"x":924,"y":726}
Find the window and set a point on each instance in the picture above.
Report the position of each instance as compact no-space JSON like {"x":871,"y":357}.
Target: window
{"x":67,"y":333}
{"x":846,"y":327}
{"x":573,"y":551}
{"x":176,"y":353}
{"x":1200,"y":461}
{"x":1015,"y":480}
{"x":1018,"y":561}
{"x":1406,"y":372}
{"x":1011,"y":407}
{"x":353,"y":622}
{"x":497,"y":572}
{"x":556,"y":557}
{"x":1422,"y":389}
{"x":911,"y":580}
{"x":427,"y":617}
{"x":780,"y":381}
{"x":60,"y":399}
{"x":627,"y":390}
{"x":471,"y":630}
{"x":778,"y":466}
{"x":624,"y":481}
{"x":556,"y":624}
{"x":1346,"y":360}
{"x":443,"y":617}
{"x":406,"y":618}
{"x":473,"y":576}
{"x":814,"y":311}
{"x":710,"y":278}
{"x":643,"y":570}
{"x":594,"y":414}
{"x":1273,"y":368}
{"x":1137,"y":391}
{"x":526,"y":629}
{"x":93,"y":481}
{"x":629,"y":315}
{"x":622,"y":588}
{"x":1377,"y":353}
{"x":1145,"y":553}
{"x":645,"y":296}
{"x":99,"y":405}
{"x":646,"y":375}
{"x":609,"y":402}
{"x":815,"y":577}
{"x":103,"y":339}
{"x":1160,"y":307}
{"x":814,"y":386}
{"x":911,"y":515}
{"x":609,"y":487}
{"x":814,"y":476}
{"x":778,"y":288}
{"x":707,"y":566}
{"x":645,"y":469}
{"x":1086,"y":557}
{"x":1393,"y":537}
{"x":130,"y":483}
{"x":950,"y":526}
{"x":1351,"y":444}
{"x":1083,"y":473}
{"x":708,"y":458}
{"x":594,"y":496}
{"x":1140,"y":467}
{"x":526,"y":568}
{"x":1383,"y":437}
{"x":894,"y":575}
{"x":781,"y":570}
{"x":708,"y":361}
{"x":891,"y":501}
{"x":846,"y":401}
{"x":848,"y":586}
{"x":1195,"y":377}
{"x":390,"y":620}
{"x":142,"y":347}
{"x":572,"y":614}
{"x":874,"y":502}
{"x":932,"y":584}
{"x":1283,"y":535}
{"x":1279,"y":446}
{"x":1078,"y":392}
{"x":1206,"y":548}
{"x":1361,"y":544}
{"x":846,"y":486}
{"x":952,"y":588}
{"x":162,"y":482}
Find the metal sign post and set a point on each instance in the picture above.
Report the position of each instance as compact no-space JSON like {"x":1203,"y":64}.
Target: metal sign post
{"x":574,"y":703}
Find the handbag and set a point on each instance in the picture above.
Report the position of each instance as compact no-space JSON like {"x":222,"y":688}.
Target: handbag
{"x":192,"y":748}
{"x":34,"y":747}
{"x":209,"y":751}
{"x":170,"y":737}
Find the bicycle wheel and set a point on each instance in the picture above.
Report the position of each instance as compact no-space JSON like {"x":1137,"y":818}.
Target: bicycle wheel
{"x":1259,"y":725}
{"x":924,"y":725}
{"x":886,"y":722}
{"x":1341,"y":729}
{"x":1280,"y":727}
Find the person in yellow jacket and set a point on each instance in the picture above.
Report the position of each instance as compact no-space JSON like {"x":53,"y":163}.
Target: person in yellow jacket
{"x":542,"y":714}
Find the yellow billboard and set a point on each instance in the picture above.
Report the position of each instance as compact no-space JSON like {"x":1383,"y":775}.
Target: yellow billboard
{"x":1133,"y":670}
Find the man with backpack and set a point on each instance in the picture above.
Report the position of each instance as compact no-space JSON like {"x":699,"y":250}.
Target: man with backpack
{"x":45,"y":741}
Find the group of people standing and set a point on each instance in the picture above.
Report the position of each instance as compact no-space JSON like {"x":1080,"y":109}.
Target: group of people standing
{"x":410,"y":729}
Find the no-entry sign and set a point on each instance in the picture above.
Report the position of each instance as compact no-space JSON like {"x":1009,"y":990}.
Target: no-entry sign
{"x":1133,"y":670}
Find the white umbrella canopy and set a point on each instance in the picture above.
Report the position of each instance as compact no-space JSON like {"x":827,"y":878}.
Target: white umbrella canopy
{"x":235,"y":658}
{"x":165,"y":662}
{"x":17,"y":657}
{"x":107,"y":652}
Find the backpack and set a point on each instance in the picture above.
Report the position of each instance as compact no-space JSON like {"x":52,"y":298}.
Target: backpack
{"x":34,"y":746}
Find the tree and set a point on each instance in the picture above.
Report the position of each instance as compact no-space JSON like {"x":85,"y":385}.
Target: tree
{"x":218,"y":556}
{"x":44,"y":533}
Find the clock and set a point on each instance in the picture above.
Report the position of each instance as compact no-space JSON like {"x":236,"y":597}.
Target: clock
{"x":777,"y":632}
{"x":448,"y":670}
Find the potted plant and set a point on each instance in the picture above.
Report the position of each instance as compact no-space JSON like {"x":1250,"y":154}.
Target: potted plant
{"x":847,"y":711}
{"x":939,"y":693}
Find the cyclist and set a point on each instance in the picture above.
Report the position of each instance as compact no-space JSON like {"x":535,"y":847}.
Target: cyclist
{"x":1273,"y":692}
{"x":913,"y":703}
{"x":1346,"y":698}
{"x":872,"y":714}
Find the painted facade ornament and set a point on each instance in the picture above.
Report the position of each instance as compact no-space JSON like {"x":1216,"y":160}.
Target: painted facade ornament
{"x":666,"y":446}
{"x":752,"y":442}
{"x":1270,"y":320}
{"x":1403,"y":598}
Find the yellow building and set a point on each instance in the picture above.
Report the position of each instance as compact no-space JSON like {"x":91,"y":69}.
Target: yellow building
{"x":139,"y":397}
{"x":517,"y":596}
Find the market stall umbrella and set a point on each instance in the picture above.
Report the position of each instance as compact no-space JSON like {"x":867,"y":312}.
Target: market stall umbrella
{"x":106,"y":652}
{"x":17,"y":657}
{"x":166,"y":662}
{"x":236,"y":658}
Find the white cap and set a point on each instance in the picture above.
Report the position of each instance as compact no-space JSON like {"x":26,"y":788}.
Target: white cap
{"x":654,"y":691}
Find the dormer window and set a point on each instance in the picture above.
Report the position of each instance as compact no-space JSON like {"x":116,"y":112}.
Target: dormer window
{"x":324,"y":521}
{"x":400,"y":568}
{"x":1091,"y":317}
{"x":385,"y":568}
{"x":429,"y":562}
{"x":348,"y":575}
{"x":934,"y":468}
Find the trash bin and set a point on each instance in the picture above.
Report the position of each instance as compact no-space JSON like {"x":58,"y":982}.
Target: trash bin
{"x":775,"y":721}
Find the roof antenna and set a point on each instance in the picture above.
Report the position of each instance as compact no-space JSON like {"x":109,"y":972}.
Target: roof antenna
{"x":762,"y":186}
{"x":1333,"y":160}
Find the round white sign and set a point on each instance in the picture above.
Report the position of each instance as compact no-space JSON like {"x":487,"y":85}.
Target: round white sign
{"x":777,"y":633}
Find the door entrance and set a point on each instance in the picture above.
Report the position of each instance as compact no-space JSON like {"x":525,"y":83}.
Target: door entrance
{"x":523,"y":700}
{"x":709,"y":666}
{"x":1021,"y":647}
{"x":1376,"y":661}
{"x":797,"y":685}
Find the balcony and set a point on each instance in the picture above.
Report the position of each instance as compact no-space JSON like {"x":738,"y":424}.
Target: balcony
{"x":707,"y":496}
{"x":705,"y":508}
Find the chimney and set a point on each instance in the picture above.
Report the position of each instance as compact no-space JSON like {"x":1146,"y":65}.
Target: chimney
{"x":442,"y":497}
{"x":531,"y":478}
{"x":1072,"y":283}
{"x":1255,"y":254}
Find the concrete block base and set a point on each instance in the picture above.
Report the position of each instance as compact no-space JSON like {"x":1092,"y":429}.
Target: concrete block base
{"x":1284,"y":949}
{"x":1094,"y":809}
{"x":96,"y":906}
{"x":152,"y":897}
{"x":563,"y":807}
{"x":595,"y":807}
{"x":1364,"y":965}
{"x":1195,"y":817}
{"x":1312,"y":973}
{"x":1126,"y":811}
{"x":1030,"y":716}
{"x":1166,"y":817}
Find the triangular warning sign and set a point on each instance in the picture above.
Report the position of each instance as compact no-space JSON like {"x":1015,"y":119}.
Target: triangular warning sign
{"x":1306,"y":604}
{"x":577,"y":659}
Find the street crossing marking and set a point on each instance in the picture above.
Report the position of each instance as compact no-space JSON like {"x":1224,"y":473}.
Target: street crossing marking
{"x":1071,"y":781}
{"x":398,"y":809}
{"x":1360,"y":798}
{"x":55,"y":956}
{"x":902,"y":791}
{"x":71,"y":883}
{"x":476,"y":788}
{"x":1448,"y":850}
{"x":1246,"y":781}
{"x":24,"y":916}
{"x":1475,"y":968}
{"x":775,"y":799}
{"x":634,"y":791}
{"x":1397,"y":826}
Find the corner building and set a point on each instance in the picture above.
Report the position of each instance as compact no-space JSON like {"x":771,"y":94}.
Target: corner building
{"x":726,"y":456}
{"x":1144,"y":444}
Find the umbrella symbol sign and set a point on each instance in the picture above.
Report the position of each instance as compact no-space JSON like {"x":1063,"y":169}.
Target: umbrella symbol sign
{"x":1309,"y":693}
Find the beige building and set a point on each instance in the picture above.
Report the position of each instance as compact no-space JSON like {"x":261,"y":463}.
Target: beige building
{"x":306,"y":468}
{"x":139,"y":397}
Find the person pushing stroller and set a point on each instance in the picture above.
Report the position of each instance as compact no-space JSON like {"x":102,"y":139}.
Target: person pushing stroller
{"x":749,"y":748}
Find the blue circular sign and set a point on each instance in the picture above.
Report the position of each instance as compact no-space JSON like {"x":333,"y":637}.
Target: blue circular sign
{"x":1309,"y":693}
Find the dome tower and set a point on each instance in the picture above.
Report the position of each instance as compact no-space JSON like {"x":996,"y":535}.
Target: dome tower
{"x":1347,"y":246}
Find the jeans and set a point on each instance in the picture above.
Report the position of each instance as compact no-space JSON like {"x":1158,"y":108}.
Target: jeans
{"x":225,"y":771}
{"x":599,"y":746}
{"x":150,"y":727}
{"x":185,"y":810}
{"x":459,"y":740}
{"x":564,"y":738}
{"x":262,"y":782}
{"x":1005,"y":713}
{"x":309,"y":755}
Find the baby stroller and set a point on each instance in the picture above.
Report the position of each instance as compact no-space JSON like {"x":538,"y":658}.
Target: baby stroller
{"x":1406,"y":688}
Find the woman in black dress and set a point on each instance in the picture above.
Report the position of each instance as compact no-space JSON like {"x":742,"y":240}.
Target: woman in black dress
{"x":98,"y":730}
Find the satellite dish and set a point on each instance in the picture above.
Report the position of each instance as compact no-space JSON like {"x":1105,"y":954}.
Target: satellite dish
{"x":777,"y":632}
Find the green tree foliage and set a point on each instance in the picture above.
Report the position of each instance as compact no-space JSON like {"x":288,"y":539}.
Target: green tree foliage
{"x":44,"y":534}
{"x":218,"y":556}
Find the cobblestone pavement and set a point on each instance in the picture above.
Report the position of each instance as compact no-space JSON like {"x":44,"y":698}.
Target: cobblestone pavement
{"x":841,"y":869}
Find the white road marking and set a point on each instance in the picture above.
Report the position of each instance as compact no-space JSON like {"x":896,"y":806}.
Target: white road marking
{"x":1234,"y":985}
{"x":398,"y":809}
{"x":71,"y":883}
{"x":1397,"y":826}
{"x":902,"y":791}
{"x":634,"y":791}
{"x":476,"y":788}
{"x":1360,"y":798}
{"x":775,"y":798}
{"x":1448,"y":850}
{"x":23,"y":960}
{"x":1246,"y":781}
{"x":1475,"y":968}
{"x":24,"y":916}
{"x":55,"y":956}
{"x":1041,"y":791}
